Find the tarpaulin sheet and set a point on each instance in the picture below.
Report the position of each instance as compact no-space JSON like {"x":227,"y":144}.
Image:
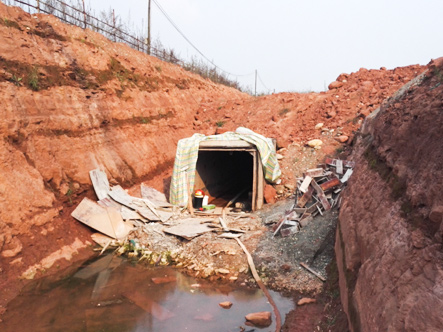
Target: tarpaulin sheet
{"x":187,"y":155}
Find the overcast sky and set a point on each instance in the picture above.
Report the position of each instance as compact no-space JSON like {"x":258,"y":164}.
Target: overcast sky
{"x":294,"y":45}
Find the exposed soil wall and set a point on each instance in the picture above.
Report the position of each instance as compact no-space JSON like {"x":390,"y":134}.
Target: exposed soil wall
{"x":389,"y":238}
{"x":71,"y":101}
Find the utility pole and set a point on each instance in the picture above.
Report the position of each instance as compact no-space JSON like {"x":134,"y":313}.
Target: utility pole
{"x":255,"y":83}
{"x":149,"y":27}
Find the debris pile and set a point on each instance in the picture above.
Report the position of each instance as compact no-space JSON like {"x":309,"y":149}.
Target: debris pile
{"x":139,"y":227}
{"x":116,"y":213}
{"x":317,"y":191}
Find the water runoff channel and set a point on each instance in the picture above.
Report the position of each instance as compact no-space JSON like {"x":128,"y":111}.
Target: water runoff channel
{"x":111,"y":293}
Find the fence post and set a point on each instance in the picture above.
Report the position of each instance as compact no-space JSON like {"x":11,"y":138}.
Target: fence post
{"x":149,"y":27}
{"x":113,"y":23}
{"x":84,"y":13}
{"x":38,"y":6}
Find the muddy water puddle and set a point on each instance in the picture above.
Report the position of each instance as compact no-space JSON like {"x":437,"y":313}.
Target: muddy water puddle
{"x":111,"y":294}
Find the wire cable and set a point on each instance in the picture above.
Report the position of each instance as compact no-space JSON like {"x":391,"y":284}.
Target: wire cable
{"x":190,"y":43}
{"x":261,"y":81}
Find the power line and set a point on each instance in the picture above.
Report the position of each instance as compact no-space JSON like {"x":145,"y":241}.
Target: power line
{"x":263,"y":83}
{"x":190,"y":43}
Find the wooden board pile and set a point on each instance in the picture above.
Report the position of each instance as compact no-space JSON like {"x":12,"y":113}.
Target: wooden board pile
{"x":116,"y":212}
{"x":318,"y":191}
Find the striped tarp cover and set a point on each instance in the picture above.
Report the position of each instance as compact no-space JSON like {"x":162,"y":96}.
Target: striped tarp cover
{"x":187,"y":154}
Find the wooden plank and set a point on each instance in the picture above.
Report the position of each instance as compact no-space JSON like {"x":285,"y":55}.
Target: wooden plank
{"x":312,"y":208}
{"x":108,"y":202}
{"x":279,"y":226}
{"x":98,"y":218}
{"x":315,"y":172}
{"x":291,"y":222}
{"x":346,"y":163}
{"x":330,"y":184}
{"x":121,"y":228}
{"x":300,"y":210}
{"x":230,"y":235}
{"x":100,"y":183}
{"x":128,"y":214}
{"x":226,"y":145}
{"x":306,"y":197}
{"x":254,"y":182}
{"x":188,"y":228}
{"x":121,"y":196}
{"x":319,"y":210}
{"x":339,"y":166}
{"x":155,"y":196}
{"x":103,"y":240}
{"x":305,"y":184}
{"x":292,"y":215}
{"x":260,"y":182}
{"x":223,"y":223}
{"x":321,"y":196}
{"x":347,"y":175}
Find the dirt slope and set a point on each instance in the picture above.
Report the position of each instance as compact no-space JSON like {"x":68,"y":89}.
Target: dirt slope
{"x":389,"y":239}
{"x":72,"y":100}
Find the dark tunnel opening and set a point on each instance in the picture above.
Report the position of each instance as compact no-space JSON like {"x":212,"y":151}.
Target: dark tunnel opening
{"x":224,"y":174}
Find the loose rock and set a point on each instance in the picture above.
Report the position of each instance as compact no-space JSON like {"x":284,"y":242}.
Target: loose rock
{"x":342,"y":138}
{"x":315,"y":143}
{"x":306,"y":300}
{"x":260,"y":319}
{"x":225,"y":305}
{"x":269,"y":194}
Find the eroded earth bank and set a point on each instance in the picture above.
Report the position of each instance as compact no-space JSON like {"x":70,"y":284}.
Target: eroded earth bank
{"x":73,"y":101}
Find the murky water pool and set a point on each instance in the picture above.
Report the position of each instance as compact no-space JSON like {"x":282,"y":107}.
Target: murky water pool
{"x":111,"y":294}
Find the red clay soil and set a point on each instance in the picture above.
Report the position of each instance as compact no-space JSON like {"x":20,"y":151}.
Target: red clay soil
{"x":389,"y":237}
{"x":74,"y":101}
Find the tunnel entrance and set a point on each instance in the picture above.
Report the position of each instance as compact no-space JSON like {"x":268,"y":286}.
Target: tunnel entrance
{"x":226,"y":169}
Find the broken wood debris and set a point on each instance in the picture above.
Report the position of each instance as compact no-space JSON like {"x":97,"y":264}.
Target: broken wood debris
{"x":104,"y":219}
{"x":188,"y":228}
{"x":313,"y":272}
{"x":115,"y":207}
{"x":317,"y":192}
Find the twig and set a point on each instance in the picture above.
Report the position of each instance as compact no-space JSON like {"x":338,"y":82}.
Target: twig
{"x":262,"y":286}
{"x":235,"y":197}
{"x":224,"y":226}
{"x":313,"y":272}
{"x":105,"y":247}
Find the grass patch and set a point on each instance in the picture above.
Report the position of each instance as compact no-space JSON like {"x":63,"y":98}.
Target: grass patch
{"x":438,"y":73}
{"x":33,"y":79}
{"x":16,"y":80}
{"x":10,"y":24}
{"x":220,"y":124}
{"x":42,"y":77}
